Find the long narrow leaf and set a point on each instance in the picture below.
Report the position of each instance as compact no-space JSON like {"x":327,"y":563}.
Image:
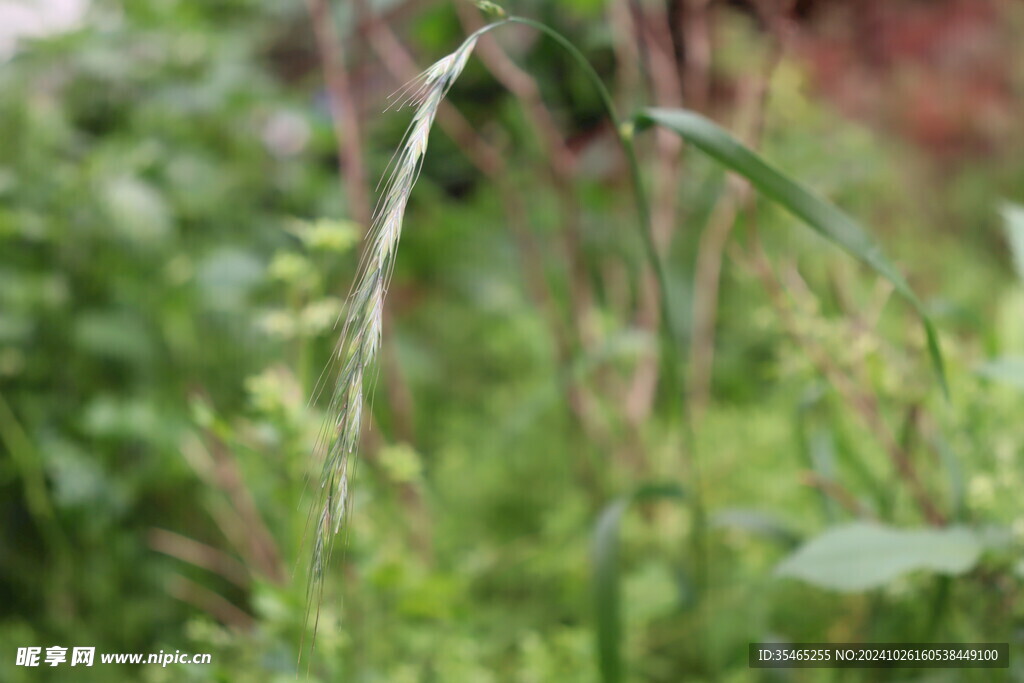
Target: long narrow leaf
{"x":605,"y":557}
{"x":820,"y":215}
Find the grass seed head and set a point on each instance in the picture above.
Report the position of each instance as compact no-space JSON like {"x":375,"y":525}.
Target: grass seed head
{"x":360,"y":337}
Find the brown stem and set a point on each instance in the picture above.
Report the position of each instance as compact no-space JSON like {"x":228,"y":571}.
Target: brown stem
{"x":344,"y":114}
{"x":562,"y":158}
{"x":696,"y":31}
{"x":525,"y":89}
{"x":836,"y":492}
{"x":563,"y":162}
{"x":262,"y":547}
{"x":235,"y":514}
{"x":199,"y":554}
{"x":214,"y":604}
{"x":711,"y":249}
{"x":627,"y":52}
{"x":653,"y":32}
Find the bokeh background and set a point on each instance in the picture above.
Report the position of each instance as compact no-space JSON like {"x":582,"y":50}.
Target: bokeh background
{"x":183,"y":189}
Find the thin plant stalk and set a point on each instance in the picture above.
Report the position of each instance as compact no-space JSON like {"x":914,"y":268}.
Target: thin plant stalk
{"x":624,"y":134}
{"x":670,"y":357}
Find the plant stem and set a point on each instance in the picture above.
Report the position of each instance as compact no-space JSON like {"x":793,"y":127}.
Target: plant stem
{"x":670,"y":357}
{"x":624,"y":134}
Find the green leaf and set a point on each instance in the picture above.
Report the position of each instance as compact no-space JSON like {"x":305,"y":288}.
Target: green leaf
{"x":1013,"y":221}
{"x":757,"y":523}
{"x":605,"y":558}
{"x":823,"y":217}
{"x":137,"y":210}
{"x":1006,"y":370}
{"x":860,"y":556}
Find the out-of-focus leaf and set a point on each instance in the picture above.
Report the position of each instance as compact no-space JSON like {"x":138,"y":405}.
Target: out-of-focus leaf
{"x":14,"y":327}
{"x":136,"y":210}
{"x":758,"y":523}
{"x":1013,"y":223}
{"x":226,"y":277}
{"x":1006,"y":370}
{"x":77,"y":478}
{"x":108,"y":417}
{"x":605,"y":558}
{"x":861,"y":556}
{"x":290,"y":267}
{"x":823,"y":217}
{"x":114,"y":334}
{"x":645,"y":591}
{"x":337,"y":236}
{"x":401,"y":462}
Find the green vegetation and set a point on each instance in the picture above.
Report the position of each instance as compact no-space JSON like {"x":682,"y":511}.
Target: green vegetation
{"x":544,"y":489}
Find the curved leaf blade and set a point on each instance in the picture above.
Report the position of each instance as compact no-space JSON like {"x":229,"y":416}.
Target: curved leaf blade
{"x":820,"y":215}
{"x":605,"y":558}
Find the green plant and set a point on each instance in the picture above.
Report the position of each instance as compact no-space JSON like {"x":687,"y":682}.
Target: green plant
{"x":361,"y":334}
{"x":605,"y":559}
{"x":174,"y":224}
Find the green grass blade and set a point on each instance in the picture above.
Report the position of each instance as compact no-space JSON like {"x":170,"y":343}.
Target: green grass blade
{"x":605,"y":558}
{"x":823,"y":217}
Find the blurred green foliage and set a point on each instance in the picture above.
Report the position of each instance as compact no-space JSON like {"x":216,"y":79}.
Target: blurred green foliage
{"x":174,"y":252}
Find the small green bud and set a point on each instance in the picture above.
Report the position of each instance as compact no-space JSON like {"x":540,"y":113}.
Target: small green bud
{"x":491,"y":9}
{"x":626,"y":130}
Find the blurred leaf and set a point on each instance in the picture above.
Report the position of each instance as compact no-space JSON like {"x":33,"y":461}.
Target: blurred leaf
{"x":645,"y":591}
{"x":861,"y":556}
{"x":14,"y":327}
{"x":321,"y":315}
{"x":820,"y":215}
{"x":605,"y":558}
{"x":226,"y":277}
{"x":289,"y":267}
{"x":757,"y":523}
{"x":1006,"y":370}
{"x":278,"y":323}
{"x":401,"y":462}
{"x":1013,"y":223}
{"x":432,"y":597}
{"x":274,"y":391}
{"x":336,"y":236}
{"x":106,"y":416}
{"x":136,"y":210}
{"x":77,"y":478}
{"x":114,"y":334}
